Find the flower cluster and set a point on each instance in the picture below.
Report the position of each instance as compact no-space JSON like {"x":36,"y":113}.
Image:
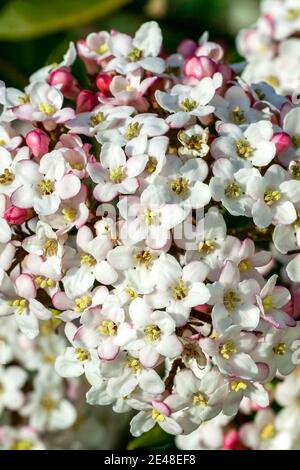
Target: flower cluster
{"x":272,"y":46}
{"x":145,"y":218}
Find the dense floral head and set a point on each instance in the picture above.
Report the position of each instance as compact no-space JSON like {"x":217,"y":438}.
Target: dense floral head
{"x":152,"y":220}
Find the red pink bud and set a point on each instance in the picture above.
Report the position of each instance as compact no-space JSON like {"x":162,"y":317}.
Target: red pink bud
{"x":199,"y":67}
{"x":103,"y":81}
{"x":187,"y":48}
{"x":86,"y":101}
{"x":282,"y":141}
{"x":38,"y":142}
{"x":16,"y":215}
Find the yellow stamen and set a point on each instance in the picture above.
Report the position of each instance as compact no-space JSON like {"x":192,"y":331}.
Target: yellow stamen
{"x":280,"y":349}
{"x":47,"y":109}
{"x":179,"y":185}
{"x":133,"y":364}
{"x":50,"y":247}
{"x":231,"y":299}
{"x":82,"y":354}
{"x":96,"y":119}
{"x":132,"y":130}
{"x":238,"y":116}
{"x":267,"y":303}
{"x":108,"y":328}
{"x":88,"y":259}
{"x":267,"y":432}
{"x":238,"y":386}
{"x":244,"y":265}
{"x":188,"y":105}
{"x":45,"y":187}
{"x":135,"y":54}
{"x":206,"y":247}
{"x":179,"y":290}
{"x":271,"y":197}
{"x":149,"y":216}
{"x":81,"y":303}
{"x":7,"y":177}
{"x":243,"y":148}
{"x":157,"y":416}
{"x":144,"y":258}
{"x":200,"y":399}
{"x":69,"y":214}
{"x":21,"y":444}
{"x":152,"y":333}
{"x":232,"y":190}
{"x":227,"y":350}
{"x":117,"y":175}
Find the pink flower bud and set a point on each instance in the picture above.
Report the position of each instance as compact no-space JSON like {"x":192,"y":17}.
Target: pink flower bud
{"x":64,"y":79}
{"x":103,"y":81}
{"x":16,"y":215}
{"x":226,"y":72}
{"x":231,"y":440}
{"x":187,"y":48}
{"x":86,"y":101}
{"x":282,"y":141}
{"x":38,"y":142}
{"x":199,"y":67}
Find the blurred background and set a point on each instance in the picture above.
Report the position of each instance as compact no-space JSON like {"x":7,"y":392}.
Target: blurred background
{"x":36,"y":32}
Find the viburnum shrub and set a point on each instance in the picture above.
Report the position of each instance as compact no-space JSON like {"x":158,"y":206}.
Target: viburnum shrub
{"x":152,"y":220}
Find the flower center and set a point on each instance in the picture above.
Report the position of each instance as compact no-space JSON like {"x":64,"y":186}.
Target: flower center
{"x":46,"y":108}
{"x":149,"y":216}
{"x":134,"y":55}
{"x":267,"y":432}
{"x":206,"y":247}
{"x":82,"y":354}
{"x":96,"y":119}
{"x":18,"y":304}
{"x":272,"y":80}
{"x":292,"y":14}
{"x":244,"y":265}
{"x":47,"y":403}
{"x":69,"y":214}
{"x":243,"y":148}
{"x":21,"y":444}
{"x":7,"y":177}
{"x":45,"y":187}
{"x":188,"y":105}
{"x":117,"y":175}
{"x":230,"y":300}
{"x":200,"y":399}
{"x":280,"y":349}
{"x":295,"y":170}
{"x":144,"y":257}
{"x":24,"y":99}
{"x":179,"y":290}
{"x":50,"y":247}
{"x":81,"y":303}
{"x":108,"y":328}
{"x":133,"y":130}
{"x":238,"y":386}
{"x":238,"y":116}
{"x":232,"y":190}
{"x":102,"y":49}
{"x":157,"y":416}
{"x":179,"y":185}
{"x":133,"y":364}
{"x":88,"y":259}
{"x":271,"y":196}
{"x":152,"y":333}
{"x":227,"y":350}
{"x":268,"y":303}
{"x":44,"y":282}
{"x":151,"y":165}
{"x":132,"y":294}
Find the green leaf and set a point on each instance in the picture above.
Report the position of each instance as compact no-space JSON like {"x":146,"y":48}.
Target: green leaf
{"x":22,"y":19}
{"x":155,"y":438}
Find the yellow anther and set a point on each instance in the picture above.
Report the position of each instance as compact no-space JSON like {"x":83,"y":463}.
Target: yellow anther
{"x":88,"y":259}
{"x":103,"y":49}
{"x":206,"y":247}
{"x":47,"y":109}
{"x":267,"y":303}
{"x":45,"y":187}
{"x":195,"y":141}
{"x":271,"y":196}
{"x":227,"y":350}
{"x":152,"y":333}
{"x":244,"y":265}
{"x":230,"y":300}
{"x":151,"y":165}
{"x":280,"y":349}
{"x":232,"y":190}
{"x":50,"y":247}
{"x":117,"y":175}
{"x":18,"y":304}
{"x":76,"y":166}
{"x":200,"y":399}
{"x":24,"y":99}
{"x":188,"y":105}
{"x":293,"y":14}
{"x":179,"y":185}
{"x":238,"y":386}
{"x":81,"y":303}
{"x":82,"y":354}
{"x":267,"y":432}
{"x":44,"y":282}
{"x":144,"y":258}
{"x":47,"y":403}
{"x":133,"y":130}
{"x":272,"y":80}
{"x":107,"y":328}
{"x":238,"y":116}
{"x":133,"y":364}
{"x":48,"y":358}
{"x":135,"y":54}
{"x":96,"y":119}
{"x":179,"y":290}
{"x":7,"y":177}
{"x":157,"y":416}
{"x":131,"y":292}
{"x":69,"y":214}
{"x":294,"y":170}
{"x":149,"y":216}
{"x":243,"y":148}
{"x":21,"y":444}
